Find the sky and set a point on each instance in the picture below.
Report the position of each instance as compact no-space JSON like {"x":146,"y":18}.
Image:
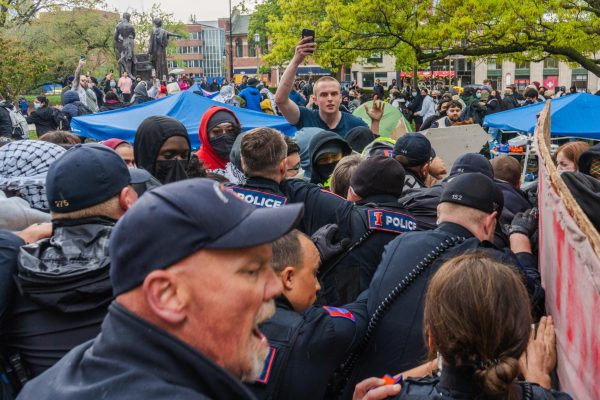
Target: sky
{"x":204,"y":10}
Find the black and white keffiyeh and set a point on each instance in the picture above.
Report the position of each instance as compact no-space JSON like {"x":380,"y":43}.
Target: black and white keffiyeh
{"x":23,"y":168}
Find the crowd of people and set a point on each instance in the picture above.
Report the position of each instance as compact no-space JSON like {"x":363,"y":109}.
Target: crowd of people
{"x":331,"y":264}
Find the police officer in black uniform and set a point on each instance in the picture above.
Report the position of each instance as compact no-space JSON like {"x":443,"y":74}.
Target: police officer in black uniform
{"x":468,"y":209}
{"x":263,"y":155}
{"x":307,"y":343}
{"x":415,"y":153}
{"x":368,"y":225}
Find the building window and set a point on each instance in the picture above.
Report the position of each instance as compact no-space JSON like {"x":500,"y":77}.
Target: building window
{"x":375,"y":58}
{"x":551,"y":63}
{"x":494,"y":64}
{"x":172,"y":64}
{"x":522,"y":65}
{"x":195,"y":35}
{"x":251,"y":49}
{"x":368,"y":79}
{"x":580,"y":81}
{"x":239,"y":48}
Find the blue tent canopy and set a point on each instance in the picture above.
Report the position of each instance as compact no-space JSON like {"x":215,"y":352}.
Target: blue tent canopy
{"x":576,"y":115}
{"x":187,"y":107}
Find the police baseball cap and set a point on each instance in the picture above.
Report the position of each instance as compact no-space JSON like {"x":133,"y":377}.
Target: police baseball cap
{"x":416,"y":148}
{"x":474,"y":190}
{"x":472,"y":162}
{"x":87,"y":175}
{"x":378,"y":175}
{"x":176,"y":220}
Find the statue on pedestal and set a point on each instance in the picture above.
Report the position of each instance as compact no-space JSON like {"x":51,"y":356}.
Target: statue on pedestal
{"x":159,"y":38}
{"x":123,"y":44}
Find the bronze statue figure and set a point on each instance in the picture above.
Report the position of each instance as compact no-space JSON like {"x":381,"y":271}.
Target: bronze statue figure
{"x":123,"y":44}
{"x":157,"y":49}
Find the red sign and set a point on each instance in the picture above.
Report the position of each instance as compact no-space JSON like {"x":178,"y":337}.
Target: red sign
{"x":428,"y":74}
{"x":550,"y":82}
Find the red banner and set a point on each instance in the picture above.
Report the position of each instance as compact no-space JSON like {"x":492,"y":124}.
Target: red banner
{"x":570,"y":269}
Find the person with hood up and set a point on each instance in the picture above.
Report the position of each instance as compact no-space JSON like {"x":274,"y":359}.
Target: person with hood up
{"x":358,"y":138}
{"x":140,"y":94}
{"x":218,"y":130}
{"x":72,"y":106}
{"x":326,"y":150}
{"x":252,"y":95}
{"x":227,"y":96}
{"x":162,"y":147}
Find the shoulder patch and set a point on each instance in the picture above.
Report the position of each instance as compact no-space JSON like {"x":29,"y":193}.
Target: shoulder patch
{"x":388,"y":153}
{"x":390,"y":221}
{"x":338,"y":312}
{"x":259,"y":198}
{"x":268,"y":365}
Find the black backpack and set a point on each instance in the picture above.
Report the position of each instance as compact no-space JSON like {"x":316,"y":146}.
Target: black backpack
{"x":61,"y":120}
{"x":83,"y":110}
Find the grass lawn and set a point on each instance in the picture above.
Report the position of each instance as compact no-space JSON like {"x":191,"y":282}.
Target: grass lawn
{"x":54,"y":99}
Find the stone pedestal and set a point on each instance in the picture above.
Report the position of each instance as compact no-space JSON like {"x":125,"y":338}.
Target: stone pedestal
{"x":143,"y":67}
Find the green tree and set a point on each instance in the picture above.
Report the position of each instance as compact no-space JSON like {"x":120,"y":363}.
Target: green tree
{"x":20,"y":12}
{"x":263,"y":12}
{"x":417,"y":31}
{"x":63,"y":36}
{"x":20,"y":68}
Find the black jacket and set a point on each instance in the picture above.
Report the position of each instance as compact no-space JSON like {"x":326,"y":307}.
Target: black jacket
{"x":64,"y":292}
{"x":134,"y":359}
{"x":397,"y":343}
{"x":6,"y":128}
{"x":307,"y":348}
{"x":43,"y":119}
{"x":458,"y":383}
{"x":347,"y":275}
{"x":260,"y":192}
{"x":514,"y":201}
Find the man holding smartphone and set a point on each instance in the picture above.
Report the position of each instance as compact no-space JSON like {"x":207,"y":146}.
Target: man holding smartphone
{"x":327,"y":95}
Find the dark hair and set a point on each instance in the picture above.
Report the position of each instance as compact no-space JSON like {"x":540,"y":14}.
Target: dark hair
{"x":287,"y":250}
{"x":61,"y":138}
{"x":93,"y":79}
{"x":43,"y":100}
{"x":508,"y":169}
{"x":292,"y":146}
{"x":473,"y":323}
{"x":195,"y":167}
{"x":454,"y":104}
{"x":531,"y":93}
{"x":262,"y":150}
{"x":110,"y":95}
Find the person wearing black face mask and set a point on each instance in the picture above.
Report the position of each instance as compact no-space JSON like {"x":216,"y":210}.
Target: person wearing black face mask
{"x":326,"y":150}
{"x":162,"y":147}
{"x":219,"y":128}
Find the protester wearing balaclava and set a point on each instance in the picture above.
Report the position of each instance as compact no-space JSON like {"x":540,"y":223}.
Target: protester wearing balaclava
{"x":162,"y":147}
{"x":219,"y":128}
{"x":326,"y":150}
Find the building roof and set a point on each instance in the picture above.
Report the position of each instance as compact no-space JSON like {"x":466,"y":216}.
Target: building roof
{"x":240,"y":24}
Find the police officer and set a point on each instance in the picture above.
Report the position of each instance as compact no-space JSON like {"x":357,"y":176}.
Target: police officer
{"x":368,"y":224}
{"x":263,"y":156}
{"x":422,"y":203}
{"x":307,"y":343}
{"x":467,"y":212}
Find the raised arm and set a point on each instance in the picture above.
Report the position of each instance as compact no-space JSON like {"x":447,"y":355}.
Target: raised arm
{"x":75,"y":84}
{"x":286,"y":106}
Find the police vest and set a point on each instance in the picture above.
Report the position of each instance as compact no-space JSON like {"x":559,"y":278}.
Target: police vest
{"x":282,"y":331}
{"x":259,"y":198}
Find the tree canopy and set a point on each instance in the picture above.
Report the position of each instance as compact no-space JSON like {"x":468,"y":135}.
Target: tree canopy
{"x":416,"y":31}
